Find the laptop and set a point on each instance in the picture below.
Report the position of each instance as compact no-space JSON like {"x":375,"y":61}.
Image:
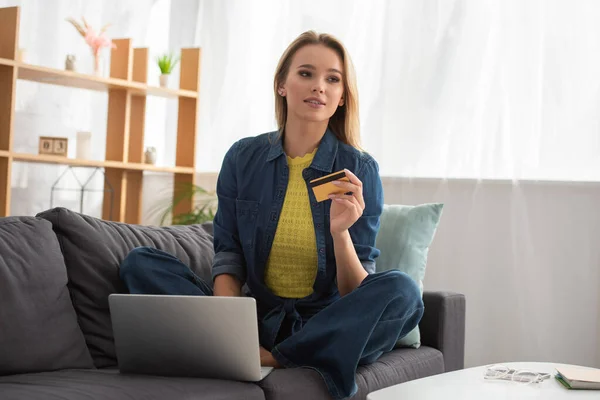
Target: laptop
{"x":190,"y":336}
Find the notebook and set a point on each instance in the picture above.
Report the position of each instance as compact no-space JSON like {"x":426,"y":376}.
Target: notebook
{"x":579,"y":378}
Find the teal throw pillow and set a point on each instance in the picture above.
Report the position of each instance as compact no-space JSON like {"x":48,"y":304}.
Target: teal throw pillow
{"x":404,"y":237}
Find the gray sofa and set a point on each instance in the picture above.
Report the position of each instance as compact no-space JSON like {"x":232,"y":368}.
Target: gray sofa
{"x":56,"y":272}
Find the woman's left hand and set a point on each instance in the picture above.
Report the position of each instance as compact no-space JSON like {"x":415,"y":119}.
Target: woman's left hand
{"x":346,"y":209}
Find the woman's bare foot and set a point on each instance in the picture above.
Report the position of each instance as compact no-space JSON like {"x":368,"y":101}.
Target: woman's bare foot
{"x":267,"y":359}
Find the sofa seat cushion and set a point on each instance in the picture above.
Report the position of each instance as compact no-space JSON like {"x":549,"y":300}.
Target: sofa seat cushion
{"x":38,"y":325}
{"x":395,"y":367}
{"x":109,"y":384}
{"x":93,"y":250}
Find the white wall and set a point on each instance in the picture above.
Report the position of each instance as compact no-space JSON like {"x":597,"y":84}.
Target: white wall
{"x":527,"y":257}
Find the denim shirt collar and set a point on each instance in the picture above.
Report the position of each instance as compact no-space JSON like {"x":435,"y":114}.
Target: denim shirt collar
{"x":324,"y":158}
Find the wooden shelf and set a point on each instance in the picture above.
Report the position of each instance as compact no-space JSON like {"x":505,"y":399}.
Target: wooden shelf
{"x":127,"y":92}
{"x":48,"y":159}
{"x":36,"y":73}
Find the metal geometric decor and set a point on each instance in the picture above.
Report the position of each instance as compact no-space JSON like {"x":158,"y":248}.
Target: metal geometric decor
{"x":82,"y":187}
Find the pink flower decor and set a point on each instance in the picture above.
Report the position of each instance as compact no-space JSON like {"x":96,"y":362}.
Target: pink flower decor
{"x":96,"y":41}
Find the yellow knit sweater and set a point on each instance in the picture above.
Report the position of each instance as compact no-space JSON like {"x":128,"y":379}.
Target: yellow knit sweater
{"x":292,"y":264}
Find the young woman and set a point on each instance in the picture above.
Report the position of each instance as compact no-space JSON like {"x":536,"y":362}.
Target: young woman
{"x":310,"y":265}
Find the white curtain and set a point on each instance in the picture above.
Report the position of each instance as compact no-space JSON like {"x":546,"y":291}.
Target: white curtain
{"x":489,"y":106}
{"x":457,"y":89}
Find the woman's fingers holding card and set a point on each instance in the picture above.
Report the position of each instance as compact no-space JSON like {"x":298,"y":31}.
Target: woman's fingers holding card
{"x":354,"y":186}
{"x":353,"y":178}
{"x":348,"y":199}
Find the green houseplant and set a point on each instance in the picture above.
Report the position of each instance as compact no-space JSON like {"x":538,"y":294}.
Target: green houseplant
{"x":203,"y":210}
{"x":166,"y":64}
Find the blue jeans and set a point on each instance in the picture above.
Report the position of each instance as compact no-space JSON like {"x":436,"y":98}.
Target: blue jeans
{"x":356,"y":329}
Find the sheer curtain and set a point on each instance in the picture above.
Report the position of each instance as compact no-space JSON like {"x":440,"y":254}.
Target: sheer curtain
{"x":487,"y":106}
{"x":456,"y":89}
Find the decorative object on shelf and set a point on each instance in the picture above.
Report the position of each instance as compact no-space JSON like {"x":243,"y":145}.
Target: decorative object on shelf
{"x":150,"y":155}
{"x":22,"y":55}
{"x":164,"y":80}
{"x":46,"y":145}
{"x":56,"y":146}
{"x":96,"y":41}
{"x":83,"y":188}
{"x":71,"y":63}
{"x":166,"y":63}
{"x":84,"y":145}
{"x":60,"y":146}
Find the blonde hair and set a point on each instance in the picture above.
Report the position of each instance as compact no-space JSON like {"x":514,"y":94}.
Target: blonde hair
{"x":344,"y":123}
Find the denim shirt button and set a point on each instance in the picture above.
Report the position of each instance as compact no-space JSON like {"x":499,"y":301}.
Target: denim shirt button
{"x":314,"y":204}
{"x":322,"y":250}
{"x":318,"y":225}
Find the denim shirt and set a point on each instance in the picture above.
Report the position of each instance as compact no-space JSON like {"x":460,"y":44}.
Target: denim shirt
{"x":251,"y":188}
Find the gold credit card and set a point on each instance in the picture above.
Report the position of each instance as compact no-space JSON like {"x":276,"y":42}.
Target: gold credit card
{"x":323,"y":187}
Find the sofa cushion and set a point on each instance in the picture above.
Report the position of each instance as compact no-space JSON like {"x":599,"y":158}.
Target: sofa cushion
{"x":38,"y":325}
{"x":404,"y":238}
{"x":93,"y":250}
{"x":395,"y":367}
{"x":111,"y":385}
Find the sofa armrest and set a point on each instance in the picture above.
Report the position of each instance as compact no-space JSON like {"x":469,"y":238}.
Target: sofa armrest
{"x":443,"y":326}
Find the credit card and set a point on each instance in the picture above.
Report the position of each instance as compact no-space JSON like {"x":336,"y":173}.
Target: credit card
{"x":323,"y":187}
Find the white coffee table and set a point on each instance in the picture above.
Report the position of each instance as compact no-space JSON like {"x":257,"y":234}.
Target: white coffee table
{"x":468,"y":384}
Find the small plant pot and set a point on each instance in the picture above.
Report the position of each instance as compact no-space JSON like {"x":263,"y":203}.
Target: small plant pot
{"x":164,"y":80}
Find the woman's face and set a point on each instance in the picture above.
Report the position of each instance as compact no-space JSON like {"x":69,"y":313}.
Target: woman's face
{"x":314,"y":86}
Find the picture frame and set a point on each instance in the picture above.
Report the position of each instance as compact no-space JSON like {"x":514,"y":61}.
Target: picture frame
{"x":56,"y":146}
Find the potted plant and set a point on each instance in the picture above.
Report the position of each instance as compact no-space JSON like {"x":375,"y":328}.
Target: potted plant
{"x":166,"y":63}
{"x":203,"y":210}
